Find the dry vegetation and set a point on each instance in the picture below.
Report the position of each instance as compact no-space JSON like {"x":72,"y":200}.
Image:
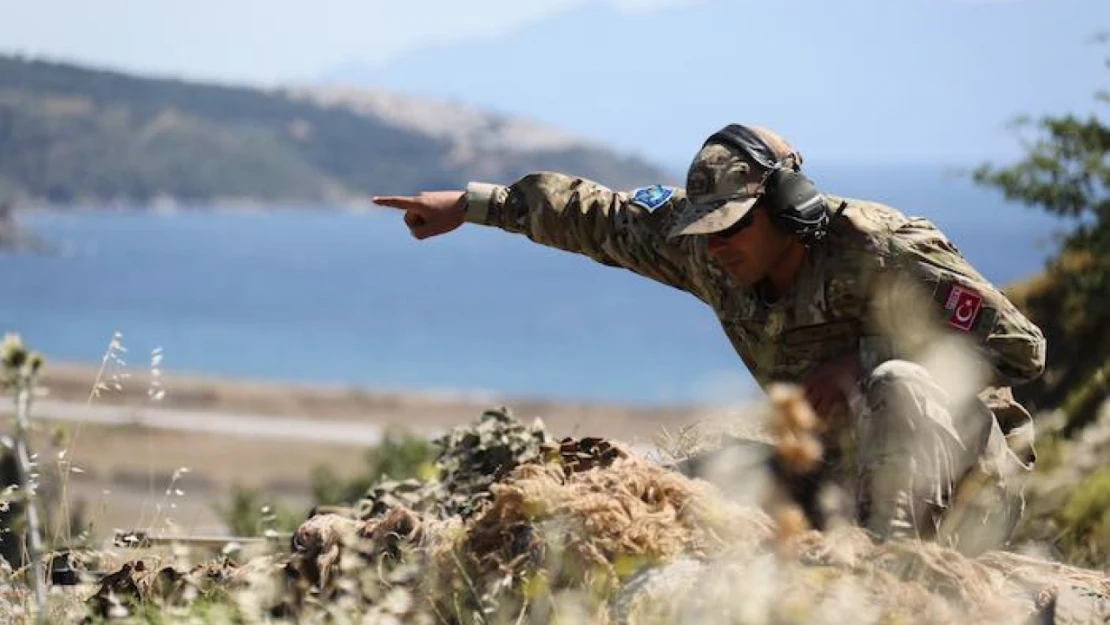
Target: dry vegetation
{"x":512,"y":525}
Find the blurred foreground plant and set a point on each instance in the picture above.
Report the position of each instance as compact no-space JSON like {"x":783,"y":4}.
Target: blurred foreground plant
{"x":20,"y":368}
{"x":248,"y":513}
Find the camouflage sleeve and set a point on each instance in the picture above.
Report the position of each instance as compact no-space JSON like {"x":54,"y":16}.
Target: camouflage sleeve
{"x":614,"y":228}
{"x":927,"y":265}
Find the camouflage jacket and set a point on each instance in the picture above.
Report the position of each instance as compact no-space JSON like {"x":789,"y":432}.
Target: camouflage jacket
{"x":855,"y":292}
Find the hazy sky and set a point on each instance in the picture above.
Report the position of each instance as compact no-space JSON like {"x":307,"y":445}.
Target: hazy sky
{"x":260,"y":40}
{"x":913,"y":80}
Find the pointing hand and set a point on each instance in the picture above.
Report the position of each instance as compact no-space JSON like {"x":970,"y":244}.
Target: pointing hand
{"x":429,"y":214}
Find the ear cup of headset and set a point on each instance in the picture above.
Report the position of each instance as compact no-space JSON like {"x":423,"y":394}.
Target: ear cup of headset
{"x":796,"y":204}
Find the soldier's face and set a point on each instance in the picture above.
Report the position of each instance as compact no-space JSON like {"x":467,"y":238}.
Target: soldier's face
{"x":749,"y":254}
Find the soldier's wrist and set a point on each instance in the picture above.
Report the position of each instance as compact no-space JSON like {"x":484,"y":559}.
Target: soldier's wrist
{"x":476,"y":201}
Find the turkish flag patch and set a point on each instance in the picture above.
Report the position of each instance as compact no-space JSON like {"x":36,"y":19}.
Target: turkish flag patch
{"x":963,"y":307}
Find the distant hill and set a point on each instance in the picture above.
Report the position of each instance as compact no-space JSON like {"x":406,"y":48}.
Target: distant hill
{"x":70,"y":134}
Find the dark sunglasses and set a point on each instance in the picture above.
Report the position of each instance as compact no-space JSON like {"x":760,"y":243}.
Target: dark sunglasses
{"x":735,"y":228}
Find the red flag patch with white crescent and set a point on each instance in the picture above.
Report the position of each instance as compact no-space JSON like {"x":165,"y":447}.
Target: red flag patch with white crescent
{"x":963,"y":306}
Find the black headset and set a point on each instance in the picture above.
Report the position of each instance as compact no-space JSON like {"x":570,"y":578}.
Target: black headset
{"x":796,"y":206}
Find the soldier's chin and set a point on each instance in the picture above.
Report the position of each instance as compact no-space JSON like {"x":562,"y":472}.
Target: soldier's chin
{"x":741,"y":273}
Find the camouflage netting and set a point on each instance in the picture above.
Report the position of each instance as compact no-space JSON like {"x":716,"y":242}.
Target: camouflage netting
{"x":519,"y":528}
{"x":470,"y":460}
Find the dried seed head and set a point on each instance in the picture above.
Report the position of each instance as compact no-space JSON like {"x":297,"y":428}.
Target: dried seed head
{"x":790,"y":521}
{"x":795,"y":424}
{"x":791,"y":411}
{"x":799,"y":454}
{"x":782,"y":393}
{"x":13,"y":353}
{"x":798,"y":415}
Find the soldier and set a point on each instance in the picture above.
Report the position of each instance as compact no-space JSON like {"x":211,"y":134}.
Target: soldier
{"x":850,"y":299}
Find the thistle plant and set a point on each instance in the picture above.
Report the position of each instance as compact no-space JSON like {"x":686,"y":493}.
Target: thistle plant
{"x":20,"y":368}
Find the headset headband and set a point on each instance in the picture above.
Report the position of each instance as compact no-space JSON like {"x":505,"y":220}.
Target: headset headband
{"x":748,"y":141}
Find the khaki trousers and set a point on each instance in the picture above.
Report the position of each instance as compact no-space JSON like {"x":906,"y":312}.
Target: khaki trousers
{"x":934,"y":467}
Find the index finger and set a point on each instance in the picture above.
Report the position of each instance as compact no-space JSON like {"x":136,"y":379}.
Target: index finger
{"x":403,"y":202}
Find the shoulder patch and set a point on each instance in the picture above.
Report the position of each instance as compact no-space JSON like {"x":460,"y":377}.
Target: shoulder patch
{"x":962,"y":307}
{"x":652,"y":197}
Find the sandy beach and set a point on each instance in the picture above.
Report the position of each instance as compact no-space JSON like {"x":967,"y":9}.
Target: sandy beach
{"x":128,"y":446}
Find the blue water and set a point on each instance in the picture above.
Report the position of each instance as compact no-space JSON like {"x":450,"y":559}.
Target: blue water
{"x":351,"y":299}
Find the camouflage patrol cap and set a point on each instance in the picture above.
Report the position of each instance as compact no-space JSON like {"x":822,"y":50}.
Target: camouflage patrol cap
{"x":724,"y":181}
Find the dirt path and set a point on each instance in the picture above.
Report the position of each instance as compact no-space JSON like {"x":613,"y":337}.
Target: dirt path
{"x":248,"y":426}
{"x":423,"y":411}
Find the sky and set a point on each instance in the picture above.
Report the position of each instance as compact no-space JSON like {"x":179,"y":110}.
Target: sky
{"x":850,"y":81}
{"x":261,"y":41}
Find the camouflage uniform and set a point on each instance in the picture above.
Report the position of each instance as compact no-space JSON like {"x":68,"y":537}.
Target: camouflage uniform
{"x":858,"y":291}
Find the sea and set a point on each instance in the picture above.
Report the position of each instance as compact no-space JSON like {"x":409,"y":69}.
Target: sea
{"x":340,"y":297}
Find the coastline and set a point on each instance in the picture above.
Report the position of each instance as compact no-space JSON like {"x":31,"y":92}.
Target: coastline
{"x":218,"y":205}
{"x":418,"y":410}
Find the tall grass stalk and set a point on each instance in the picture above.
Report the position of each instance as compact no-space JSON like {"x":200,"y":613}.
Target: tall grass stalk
{"x":111,"y":355}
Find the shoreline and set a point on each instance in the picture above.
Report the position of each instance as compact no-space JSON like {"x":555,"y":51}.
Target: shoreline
{"x":73,"y":382}
{"x":354,"y":206}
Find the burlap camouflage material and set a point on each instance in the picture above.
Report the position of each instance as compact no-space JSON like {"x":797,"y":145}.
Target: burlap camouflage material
{"x":883,"y":284}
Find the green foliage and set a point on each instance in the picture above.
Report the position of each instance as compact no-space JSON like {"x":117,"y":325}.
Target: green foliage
{"x":249,"y":513}
{"x":1065,"y":172}
{"x":399,"y":456}
{"x":1084,"y":521}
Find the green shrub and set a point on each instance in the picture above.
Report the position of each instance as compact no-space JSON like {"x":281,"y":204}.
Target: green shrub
{"x":400,"y":455}
{"x":1085,"y":521}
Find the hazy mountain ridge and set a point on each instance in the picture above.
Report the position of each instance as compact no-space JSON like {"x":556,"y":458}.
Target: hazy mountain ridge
{"x":487,"y":145}
{"x":75,"y":135}
{"x":850,"y":82}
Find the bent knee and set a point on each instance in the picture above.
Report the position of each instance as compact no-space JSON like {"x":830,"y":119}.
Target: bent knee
{"x":898,"y":373}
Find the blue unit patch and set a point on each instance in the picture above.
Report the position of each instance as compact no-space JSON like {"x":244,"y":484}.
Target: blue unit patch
{"x":652,"y":197}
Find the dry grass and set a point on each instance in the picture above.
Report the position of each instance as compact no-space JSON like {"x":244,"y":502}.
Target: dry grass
{"x":623,"y":543}
{"x":632,"y":513}
{"x":593,"y":533}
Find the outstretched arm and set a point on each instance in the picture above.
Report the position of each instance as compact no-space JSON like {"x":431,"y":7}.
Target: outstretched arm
{"x":574,"y":214}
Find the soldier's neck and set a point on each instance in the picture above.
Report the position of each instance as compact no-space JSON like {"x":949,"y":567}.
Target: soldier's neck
{"x":783,"y":273}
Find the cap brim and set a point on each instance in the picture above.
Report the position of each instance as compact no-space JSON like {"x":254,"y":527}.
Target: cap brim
{"x":707,"y":220}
